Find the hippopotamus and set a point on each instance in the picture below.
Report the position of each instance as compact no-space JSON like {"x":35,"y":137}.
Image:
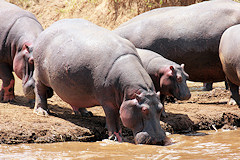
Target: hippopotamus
{"x":229,"y":53}
{"x":19,"y":29}
{"x":168,"y":77}
{"x":87,"y":65}
{"x":187,"y":35}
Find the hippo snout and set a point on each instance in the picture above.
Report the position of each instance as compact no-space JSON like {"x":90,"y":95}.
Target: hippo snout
{"x":186,"y":96}
{"x":145,"y":138}
{"x":28,"y":89}
{"x":183,"y":93}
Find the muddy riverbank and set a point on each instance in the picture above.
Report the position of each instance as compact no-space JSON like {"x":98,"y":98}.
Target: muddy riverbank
{"x":205,"y":110}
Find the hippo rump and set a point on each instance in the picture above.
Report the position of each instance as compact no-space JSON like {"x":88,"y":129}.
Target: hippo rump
{"x":19,"y":29}
{"x":87,"y":65}
{"x":186,"y":35}
{"x":168,"y":77}
{"x":229,"y":53}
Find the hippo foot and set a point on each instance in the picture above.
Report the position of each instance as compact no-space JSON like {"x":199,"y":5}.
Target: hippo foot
{"x":41,"y":112}
{"x":83,"y":112}
{"x":232,"y":102}
{"x":116,"y":137}
{"x":8,"y":98}
{"x":31,"y":102}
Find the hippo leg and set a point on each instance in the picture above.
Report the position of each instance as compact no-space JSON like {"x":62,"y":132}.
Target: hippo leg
{"x":235,"y":94}
{"x":207,"y":86}
{"x":162,"y":99}
{"x":83,"y":111}
{"x":49,"y":92}
{"x":113,"y":123}
{"x":40,"y":107}
{"x":7,"y":91}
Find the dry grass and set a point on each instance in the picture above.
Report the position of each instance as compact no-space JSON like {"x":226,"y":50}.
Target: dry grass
{"x":108,"y":14}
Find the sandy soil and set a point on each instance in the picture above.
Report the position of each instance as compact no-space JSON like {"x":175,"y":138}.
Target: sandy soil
{"x":205,"y":110}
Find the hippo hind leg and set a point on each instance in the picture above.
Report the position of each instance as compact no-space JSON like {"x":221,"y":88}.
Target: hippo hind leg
{"x":82,"y":111}
{"x":235,"y":94}
{"x":7,"y":91}
{"x":207,"y":86}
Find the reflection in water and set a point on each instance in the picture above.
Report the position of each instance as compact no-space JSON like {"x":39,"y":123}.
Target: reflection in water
{"x":213,"y":145}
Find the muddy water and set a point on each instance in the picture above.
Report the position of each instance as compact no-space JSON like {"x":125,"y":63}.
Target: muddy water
{"x":203,"y":145}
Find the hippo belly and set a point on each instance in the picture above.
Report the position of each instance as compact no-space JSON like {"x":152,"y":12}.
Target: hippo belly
{"x":73,"y":86}
{"x":229,"y":53}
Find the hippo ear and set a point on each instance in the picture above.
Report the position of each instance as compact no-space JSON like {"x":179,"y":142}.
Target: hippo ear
{"x":158,"y":94}
{"x":27,"y":47}
{"x":138,"y":97}
{"x":170,"y":71}
{"x":182,"y":65}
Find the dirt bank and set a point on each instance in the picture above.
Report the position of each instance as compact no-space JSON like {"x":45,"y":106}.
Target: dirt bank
{"x":205,"y":110}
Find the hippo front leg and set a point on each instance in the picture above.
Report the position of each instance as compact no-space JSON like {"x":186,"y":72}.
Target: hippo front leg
{"x":113,"y":123}
{"x":40,"y":107}
{"x":162,"y":99}
{"x":7,"y":91}
{"x":235,"y":93}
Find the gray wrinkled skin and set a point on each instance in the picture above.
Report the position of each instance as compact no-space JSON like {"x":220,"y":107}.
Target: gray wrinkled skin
{"x":229,"y":53}
{"x":186,"y":35}
{"x":87,"y":65}
{"x":168,"y":77}
{"x":19,"y":29}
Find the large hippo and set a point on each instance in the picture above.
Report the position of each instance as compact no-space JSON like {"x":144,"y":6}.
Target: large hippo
{"x":229,"y":53}
{"x":186,"y":35}
{"x":18,"y":31}
{"x":87,"y":65}
{"x":168,"y":77}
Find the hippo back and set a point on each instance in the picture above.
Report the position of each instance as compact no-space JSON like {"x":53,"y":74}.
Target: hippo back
{"x":83,"y":54}
{"x":9,"y":14}
{"x":188,"y":35}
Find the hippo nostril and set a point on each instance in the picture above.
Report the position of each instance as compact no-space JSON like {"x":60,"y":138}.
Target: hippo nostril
{"x":179,"y":79}
{"x":30,"y":60}
{"x":145,"y":110}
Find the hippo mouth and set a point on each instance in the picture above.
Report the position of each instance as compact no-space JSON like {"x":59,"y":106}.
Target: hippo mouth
{"x":145,"y":138}
{"x":28,"y":81}
{"x":28,"y":73}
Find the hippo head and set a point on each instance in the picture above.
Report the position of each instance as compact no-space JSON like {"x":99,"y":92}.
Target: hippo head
{"x":141,"y":114}
{"x":23,"y":67}
{"x":173,"y":82}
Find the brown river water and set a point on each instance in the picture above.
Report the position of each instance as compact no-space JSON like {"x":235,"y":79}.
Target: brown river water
{"x":221,"y":144}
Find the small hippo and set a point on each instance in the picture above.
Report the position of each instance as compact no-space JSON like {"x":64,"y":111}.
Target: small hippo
{"x":87,"y":65}
{"x":168,"y":77}
{"x":187,"y":35}
{"x":19,"y":29}
{"x":229,"y":53}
